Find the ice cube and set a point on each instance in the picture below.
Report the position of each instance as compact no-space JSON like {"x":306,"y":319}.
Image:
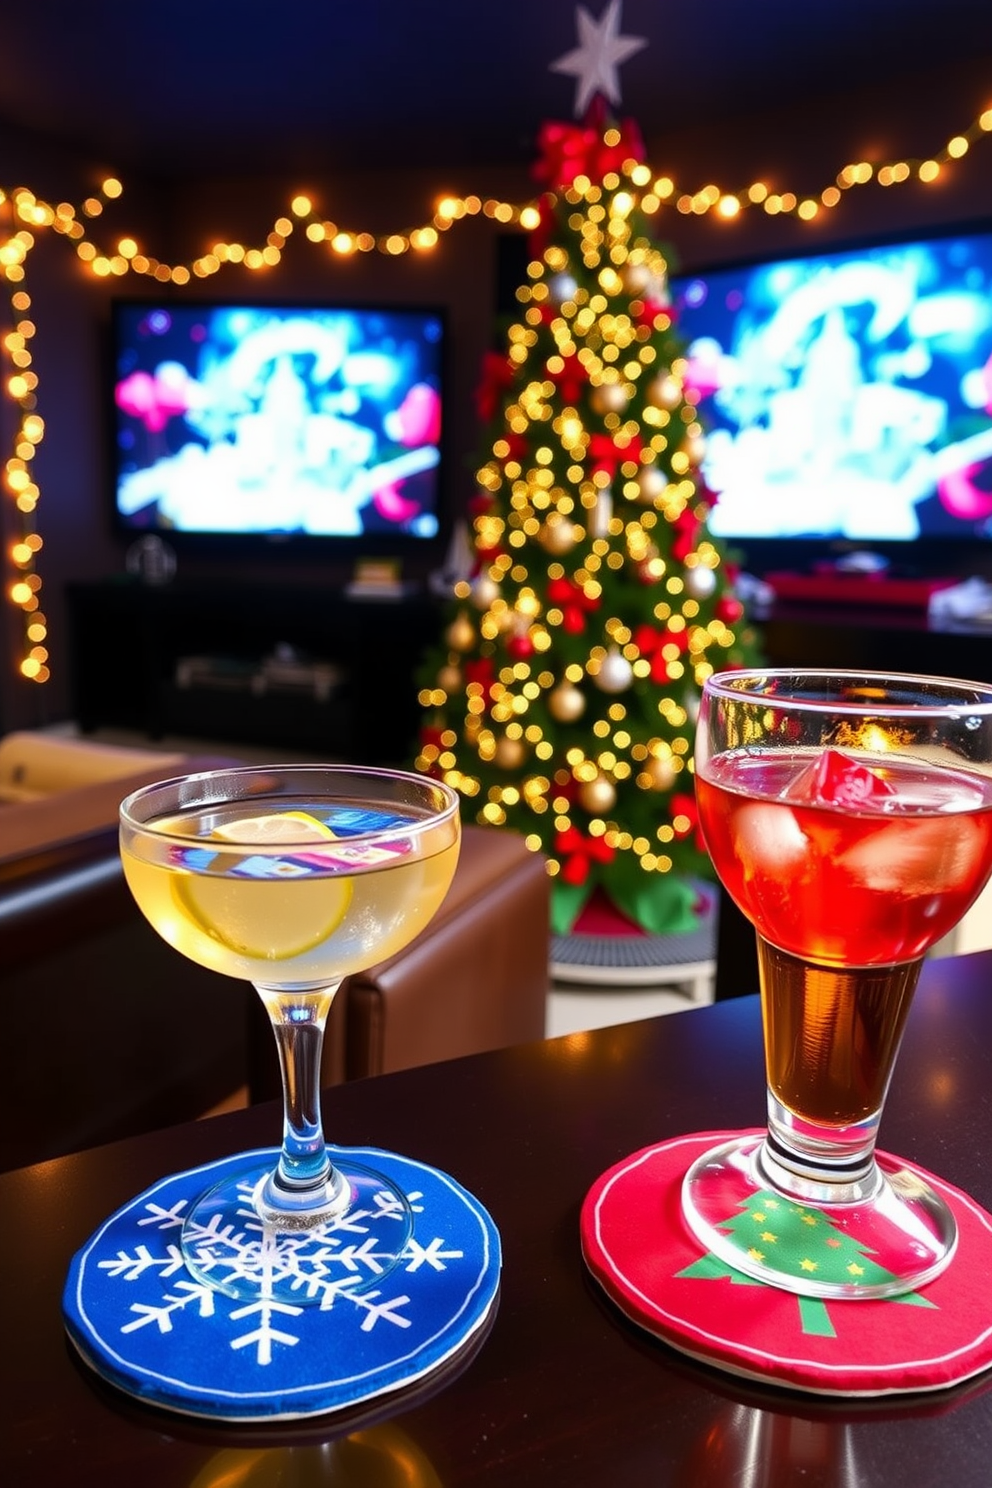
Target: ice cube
{"x":914,"y":856}
{"x":770,"y":841}
{"x":837,"y":779}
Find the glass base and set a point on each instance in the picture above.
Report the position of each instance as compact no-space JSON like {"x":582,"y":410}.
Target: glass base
{"x":360,"y":1235}
{"x":893,"y":1237}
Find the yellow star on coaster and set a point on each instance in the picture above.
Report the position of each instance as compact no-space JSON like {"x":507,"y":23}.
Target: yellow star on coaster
{"x":855,"y":1269}
{"x":809,"y":1219}
{"x":808,"y":1265}
{"x":769,"y":1238}
{"x":756,"y":1255}
{"x":758,"y":1217}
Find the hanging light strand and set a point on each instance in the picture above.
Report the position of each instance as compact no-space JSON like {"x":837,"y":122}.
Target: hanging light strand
{"x":23,"y":216}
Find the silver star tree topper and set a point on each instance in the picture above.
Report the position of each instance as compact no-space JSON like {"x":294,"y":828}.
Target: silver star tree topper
{"x":595,"y":60}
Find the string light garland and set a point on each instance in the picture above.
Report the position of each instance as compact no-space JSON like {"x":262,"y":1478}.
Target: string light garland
{"x":24,"y":215}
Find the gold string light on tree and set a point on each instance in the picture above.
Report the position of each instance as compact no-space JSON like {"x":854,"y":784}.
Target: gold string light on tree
{"x":607,"y":602}
{"x":567,"y":710}
{"x":24,"y":216}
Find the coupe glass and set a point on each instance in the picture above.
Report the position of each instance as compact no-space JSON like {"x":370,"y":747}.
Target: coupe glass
{"x":849,"y":816}
{"x":292,"y":877}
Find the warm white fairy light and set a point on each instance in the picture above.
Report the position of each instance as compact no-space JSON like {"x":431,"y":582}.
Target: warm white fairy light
{"x":23,"y":215}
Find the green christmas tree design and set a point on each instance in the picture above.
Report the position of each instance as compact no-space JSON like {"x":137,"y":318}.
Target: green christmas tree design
{"x":797,"y":1240}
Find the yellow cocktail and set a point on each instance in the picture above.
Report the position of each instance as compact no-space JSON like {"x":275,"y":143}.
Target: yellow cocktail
{"x":292,"y":877}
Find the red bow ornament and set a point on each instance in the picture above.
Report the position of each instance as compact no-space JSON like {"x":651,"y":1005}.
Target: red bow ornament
{"x":578,"y":853}
{"x":688,"y":528}
{"x":574,"y":603}
{"x":570,"y":150}
{"x":481,"y":671}
{"x":571,"y":380}
{"x":652,"y":645}
{"x":496,"y":379}
{"x":608,"y":451}
{"x":685,"y":806}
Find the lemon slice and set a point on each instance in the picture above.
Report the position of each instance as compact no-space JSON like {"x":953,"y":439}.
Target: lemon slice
{"x":278,"y":826}
{"x":269,"y":918}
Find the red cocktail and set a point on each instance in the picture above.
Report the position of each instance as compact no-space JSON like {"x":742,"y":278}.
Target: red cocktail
{"x":850,"y":819}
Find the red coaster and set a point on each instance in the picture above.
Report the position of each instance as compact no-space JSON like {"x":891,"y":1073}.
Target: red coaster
{"x":640,"y":1250}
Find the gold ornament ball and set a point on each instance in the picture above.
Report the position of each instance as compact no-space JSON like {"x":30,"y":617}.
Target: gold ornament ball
{"x":664,"y":391}
{"x":566,"y":703}
{"x":636,"y":278}
{"x":609,"y":397}
{"x":615,"y":673}
{"x":651,"y":483}
{"x":509,"y":754}
{"x":660,"y":772}
{"x":460,"y":633}
{"x":598,"y":796}
{"x":700,"y":581}
{"x":558,"y":537}
{"x":562,"y":287}
{"x":450,"y":679}
{"x":484,"y":591}
{"x":695,"y":448}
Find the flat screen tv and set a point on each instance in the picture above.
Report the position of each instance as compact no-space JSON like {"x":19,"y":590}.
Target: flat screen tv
{"x":847,"y":398}
{"x":297,"y":425}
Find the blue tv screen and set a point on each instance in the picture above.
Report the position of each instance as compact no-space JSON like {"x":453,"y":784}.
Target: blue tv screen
{"x":278,"y":422}
{"x":847,"y":394}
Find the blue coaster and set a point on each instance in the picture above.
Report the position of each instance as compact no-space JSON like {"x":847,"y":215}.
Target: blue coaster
{"x":140,"y":1320}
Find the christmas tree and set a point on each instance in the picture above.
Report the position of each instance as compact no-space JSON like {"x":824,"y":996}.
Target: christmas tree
{"x":562,"y":699}
{"x":799,"y":1241}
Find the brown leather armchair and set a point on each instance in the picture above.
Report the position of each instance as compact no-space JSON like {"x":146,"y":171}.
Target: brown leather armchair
{"x":476,"y":978}
{"x":111,"y":1032}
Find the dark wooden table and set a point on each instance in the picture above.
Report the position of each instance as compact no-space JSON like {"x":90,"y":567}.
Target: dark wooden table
{"x":562,"y":1390}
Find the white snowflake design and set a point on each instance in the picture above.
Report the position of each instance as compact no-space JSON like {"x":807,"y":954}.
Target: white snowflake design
{"x":335,"y":1266}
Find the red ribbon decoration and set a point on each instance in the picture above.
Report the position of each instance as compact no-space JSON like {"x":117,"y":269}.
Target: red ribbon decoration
{"x":682,"y":805}
{"x":578,"y":853}
{"x":517,"y":446}
{"x":496,"y":378}
{"x":571,"y":380}
{"x":482,"y":672}
{"x":688,"y":528}
{"x":574,"y":603}
{"x":570,"y":150}
{"x":651,"y":309}
{"x":650,"y":643}
{"x":607,"y":453}
{"x":431,"y":735}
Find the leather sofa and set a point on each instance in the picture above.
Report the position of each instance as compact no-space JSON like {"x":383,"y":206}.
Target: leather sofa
{"x":111,"y":1032}
{"x":476,"y":978}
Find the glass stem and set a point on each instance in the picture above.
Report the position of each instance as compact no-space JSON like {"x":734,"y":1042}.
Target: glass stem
{"x":298,"y":1022}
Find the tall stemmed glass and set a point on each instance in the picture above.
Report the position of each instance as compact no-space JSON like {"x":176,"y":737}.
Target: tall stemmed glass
{"x":849,"y":816}
{"x":292,"y":877}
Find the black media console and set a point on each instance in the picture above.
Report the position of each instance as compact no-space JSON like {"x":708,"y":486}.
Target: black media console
{"x":301,"y":666}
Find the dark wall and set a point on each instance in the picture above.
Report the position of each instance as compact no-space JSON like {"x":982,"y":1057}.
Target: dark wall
{"x":801,"y":152}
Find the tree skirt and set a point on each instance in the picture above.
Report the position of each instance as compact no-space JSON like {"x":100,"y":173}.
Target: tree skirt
{"x":606,"y":947}
{"x":640,"y":1250}
{"x":141,"y":1321}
